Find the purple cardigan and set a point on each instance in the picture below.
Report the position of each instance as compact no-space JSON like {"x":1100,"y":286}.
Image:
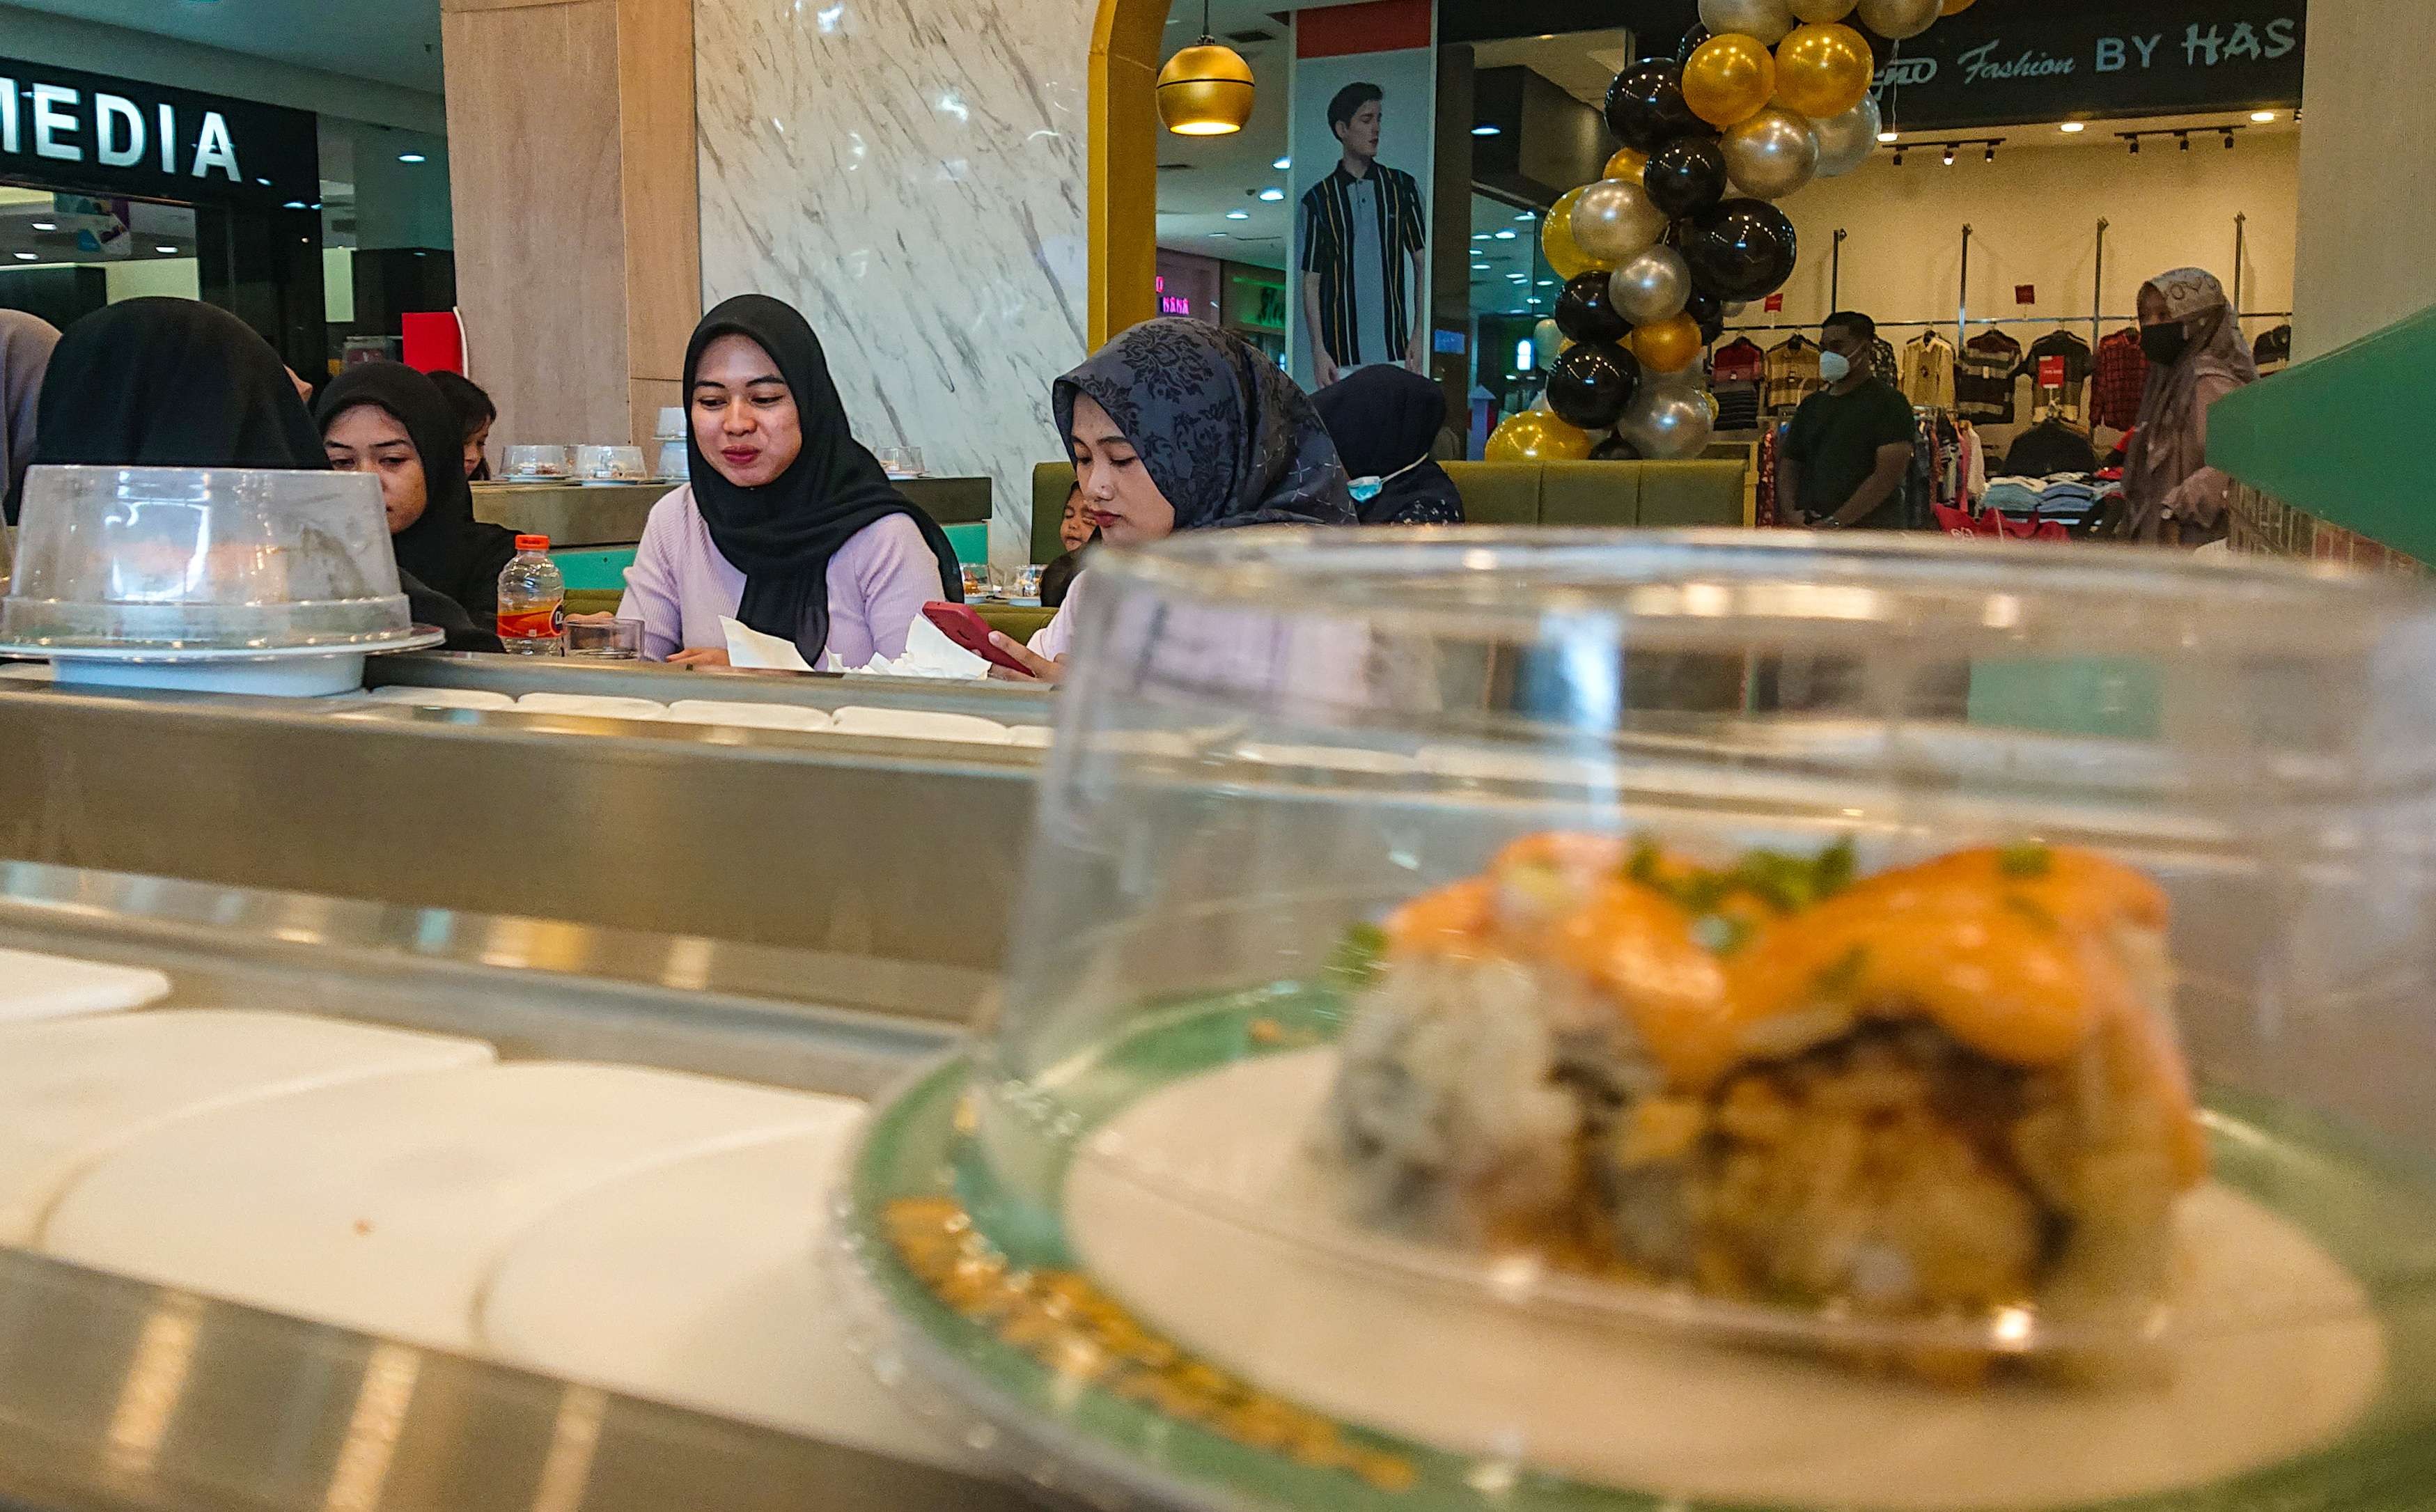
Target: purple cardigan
{"x":680,"y":585}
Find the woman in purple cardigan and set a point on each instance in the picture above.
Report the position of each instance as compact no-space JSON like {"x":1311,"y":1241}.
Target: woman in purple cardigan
{"x":788,"y":524}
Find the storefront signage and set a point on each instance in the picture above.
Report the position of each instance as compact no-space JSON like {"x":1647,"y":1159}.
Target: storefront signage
{"x":2003,"y":65}
{"x":2026,"y":293}
{"x":95,"y":134}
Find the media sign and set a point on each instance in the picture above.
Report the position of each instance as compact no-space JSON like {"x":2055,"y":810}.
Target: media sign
{"x":96,"y":135}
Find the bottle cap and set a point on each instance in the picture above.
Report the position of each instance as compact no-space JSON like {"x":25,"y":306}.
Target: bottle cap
{"x":532,"y":543}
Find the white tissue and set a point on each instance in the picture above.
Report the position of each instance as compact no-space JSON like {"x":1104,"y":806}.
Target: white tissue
{"x":748,"y":647}
{"x":928,"y":653}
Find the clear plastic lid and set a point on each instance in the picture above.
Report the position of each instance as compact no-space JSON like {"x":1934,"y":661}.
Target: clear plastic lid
{"x":1750,"y":1020}
{"x":118,"y":558}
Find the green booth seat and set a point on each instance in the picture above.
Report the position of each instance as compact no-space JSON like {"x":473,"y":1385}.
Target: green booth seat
{"x":1650,"y":496}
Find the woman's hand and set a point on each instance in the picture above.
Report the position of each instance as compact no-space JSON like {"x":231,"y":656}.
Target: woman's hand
{"x":700,"y":657}
{"x":1036,"y":669}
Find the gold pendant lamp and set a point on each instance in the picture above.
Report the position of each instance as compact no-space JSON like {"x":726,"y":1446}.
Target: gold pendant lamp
{"x":1205,"y":90}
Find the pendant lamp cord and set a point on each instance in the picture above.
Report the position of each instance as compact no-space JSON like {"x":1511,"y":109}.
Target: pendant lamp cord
{"x":1206,"y":36}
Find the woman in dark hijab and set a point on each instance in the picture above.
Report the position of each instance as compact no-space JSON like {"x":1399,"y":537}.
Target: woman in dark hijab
{"x":159,"y":382}
{"x":1385,"y":423}
{"x":25,"y":343}
{"x":2192,"y":338}
{"x":789,"y":525}
{"x":1177,"y":426}
{"x":387,"y":419}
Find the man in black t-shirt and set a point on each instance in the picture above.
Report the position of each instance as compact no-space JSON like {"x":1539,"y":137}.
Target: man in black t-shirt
{"x":1850,"y":445}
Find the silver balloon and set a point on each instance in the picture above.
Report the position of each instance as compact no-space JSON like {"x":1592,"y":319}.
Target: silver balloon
{"x":1770,"y":155}
{"x":1613,"y":220}
{"x":1652,"y":285}
{"x":1898,"y":19}
{"x":1846,"y":141}
{"x":1768,"y":20}
{"x":1668,"y":421}
{"x":1547,"y":339}
{"x":1820,"y":11}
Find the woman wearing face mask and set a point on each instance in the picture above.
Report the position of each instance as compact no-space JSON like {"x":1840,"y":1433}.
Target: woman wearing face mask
{"x":788,"y":524}
{"x":1175,"y":425}
{"x":1385,"y":423}
{"x":386,"y":419}
{"x":161,"y":382}
{"x":2196,"y":356}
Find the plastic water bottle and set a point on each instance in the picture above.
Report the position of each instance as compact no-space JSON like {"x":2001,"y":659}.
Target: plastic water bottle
{"x":533,"y":600}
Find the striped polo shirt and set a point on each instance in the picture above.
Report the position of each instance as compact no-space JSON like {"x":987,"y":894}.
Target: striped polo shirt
{"x":1354,"y":335}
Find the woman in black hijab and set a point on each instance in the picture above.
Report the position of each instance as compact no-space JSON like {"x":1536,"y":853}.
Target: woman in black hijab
{"x":159,"y":382}
{"x":387,"y":419}
{"x":1385,"y":421}
{"x":1177,"y":426}
{"x":789,"y":525}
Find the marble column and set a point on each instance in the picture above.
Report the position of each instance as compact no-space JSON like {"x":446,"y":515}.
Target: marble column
{"x":911,"y":175}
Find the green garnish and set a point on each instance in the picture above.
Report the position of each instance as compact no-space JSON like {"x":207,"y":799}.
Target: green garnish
{"x":1786,"y":884}
{"x":1832,"y":871}
{"x":1721,"y":933}
{"x":1360,"y":957}
{"x":2030,"y":859}
{"x":1845,"y":974}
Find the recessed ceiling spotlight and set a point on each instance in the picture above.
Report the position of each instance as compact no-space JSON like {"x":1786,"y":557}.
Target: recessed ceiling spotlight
{"x":1272,"y":194}
{"x":1239,"y":214}
{"x":46,"y":225}
{"x":2073,"y":127}
{"x":1506,"y":235}
{"x":1283,"y":163}
{"x":1949,"y":157}
{"x":1484,"y":129}
{"x":1525,"y":215}
{"x":165,"y":248}
{"x":2262,"y":117}
{"x":1885,"y":136}
{"x":26,"y":258}
{"x":409,"y":157}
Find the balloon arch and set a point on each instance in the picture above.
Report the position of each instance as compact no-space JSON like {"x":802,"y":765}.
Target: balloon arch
{"x":1764,"y":97}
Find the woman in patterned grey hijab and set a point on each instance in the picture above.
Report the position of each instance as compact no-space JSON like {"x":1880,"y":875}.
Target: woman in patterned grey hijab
{"x":1226,"y":435}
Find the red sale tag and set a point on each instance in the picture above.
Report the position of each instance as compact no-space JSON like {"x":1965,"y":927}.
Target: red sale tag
{"x":2050,"y":372}
{"x":2026,"y":293}
{"x":1775,"y":304}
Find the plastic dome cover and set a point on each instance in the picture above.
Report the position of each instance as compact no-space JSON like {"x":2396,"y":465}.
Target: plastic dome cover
{"x":203,"y":558}
{"x":1629,"y":1020}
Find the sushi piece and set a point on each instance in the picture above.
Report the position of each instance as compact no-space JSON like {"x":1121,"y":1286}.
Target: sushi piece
{"x":1948,"y":1092}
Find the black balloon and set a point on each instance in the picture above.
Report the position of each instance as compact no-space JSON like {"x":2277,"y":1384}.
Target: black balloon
{"x":1586,"y":313}
{"x":1709,"y":311}
{"x":1691,"y":39}
{"x":1743,"y":250}
{"x":1615,"y":450}
{"x":1645,"y":105}
{"x":1686,"y":175}
{"x":1591,"y":383}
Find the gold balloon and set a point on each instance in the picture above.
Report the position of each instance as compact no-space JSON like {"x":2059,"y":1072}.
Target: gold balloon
{"x":1821,"y":12}
{"x":1956,"y":7}
{"x":1557,"y":238}
{"x":1669,"y":345}
{"x":1730,"y":78}
{"x":1823,"y":70}
{"x":1536,"y":436}
{"x":1626,"y":163}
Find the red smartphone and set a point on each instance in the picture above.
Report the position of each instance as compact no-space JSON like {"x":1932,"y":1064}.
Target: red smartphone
{"x":964,"y":625}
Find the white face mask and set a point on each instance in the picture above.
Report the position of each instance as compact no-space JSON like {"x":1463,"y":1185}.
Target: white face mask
{"x":1834,"y":367}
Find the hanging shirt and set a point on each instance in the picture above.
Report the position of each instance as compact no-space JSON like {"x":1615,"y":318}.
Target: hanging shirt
{"x":2062,"y":399}
{"x":2273,"y":352}
{"x":1358,"y":235}
{"x":2122,"y":377}
{"x":1792,"y":376}
{"x":1883,"y":366}
{"x":1927,"y":372}
{"x":1739,"y":360}
{"x":1983,"y":378}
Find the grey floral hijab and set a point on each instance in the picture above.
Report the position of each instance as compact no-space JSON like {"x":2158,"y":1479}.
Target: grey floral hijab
{"x":2171,"y":444}
{"x":1226,"y":436}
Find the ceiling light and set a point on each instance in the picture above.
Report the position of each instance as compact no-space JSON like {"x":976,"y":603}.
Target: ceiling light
{"x":2262,"y":117}
{"x":2135,"y":146}
{"x":1216,"y":234}
{"x":293,"y":204}
{"x":1272,"y":194}
{"x":2228,"y":139}
{"x":1506,"y":235}
{"x":1480,"y":235}
{"x":1547,"y":283}
{"x":1885,"y":136}
{"x":1526,"y":216}
{"x":1283,"y":163}
{"x":1480,"y":268}
{"x":1486,"y":130}
{"x":1949,"y":157}
{"x":46,"y":225}
{"x":1205,"y":90}
{"x":2184,"y":137}
{"x":2073,"y":127}
{"x":1992,"y":152}
{"x":24,"y":257}
{"x":409,"y":157}
{"x":1239,"y":214}
{"x":171,"y":250}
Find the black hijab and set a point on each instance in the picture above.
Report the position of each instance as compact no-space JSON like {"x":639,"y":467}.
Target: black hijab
{"x":1385,"y":422}
{"x":1225,"y":434}
{"x":447,"y":548}
{"x":782,"y":534}
{"x":159,"y":382}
